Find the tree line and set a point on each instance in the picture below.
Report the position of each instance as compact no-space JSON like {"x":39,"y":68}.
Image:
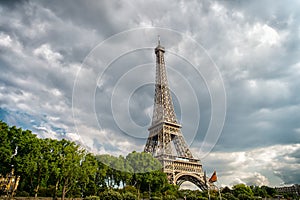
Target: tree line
{"x":61,"y":168}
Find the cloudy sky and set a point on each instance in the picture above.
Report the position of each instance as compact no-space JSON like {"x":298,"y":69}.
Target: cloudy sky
{"x":85,"y":71}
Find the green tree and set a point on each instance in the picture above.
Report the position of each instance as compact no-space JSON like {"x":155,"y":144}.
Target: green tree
{"x":29,"y":161}
{"x":7,"y":147}
{"x":110,"y":195}
{"x":65,"y":167}
{"x":129,"y":196}
{"x":270,"y":191}
{"x":70,"y":165}
{"x":100,"y":174}
{"x":229,"y":196}
{"x":111,"y":166}
{"x":226,"y":190}
{"x":244,"y":197}
{"x":142,"y":162}
{"x":242,"y":189}
{"x":54,"y":166}
{"x":259,"y":192}
{"x":147,"y":175}
{"x":87,"y":175}
{"x":191,"y":196}
{"x":170,"y":191}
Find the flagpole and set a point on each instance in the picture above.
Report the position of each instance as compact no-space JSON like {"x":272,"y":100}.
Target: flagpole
{"x":208,"y":192}
{"x":206,"y":183}
{"x":212,"y":179}
{"x":219,"y":193}
{"x":220,"y":196}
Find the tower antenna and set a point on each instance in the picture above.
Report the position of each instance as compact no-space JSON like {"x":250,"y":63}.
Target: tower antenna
{"x":158,"y":39}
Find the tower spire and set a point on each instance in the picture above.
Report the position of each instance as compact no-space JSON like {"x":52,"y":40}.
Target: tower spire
{"x":158,"y":36}
{"x":163,"y":106}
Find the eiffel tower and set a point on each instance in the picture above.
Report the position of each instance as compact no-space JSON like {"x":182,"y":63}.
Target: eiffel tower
{"x":165,"y":140}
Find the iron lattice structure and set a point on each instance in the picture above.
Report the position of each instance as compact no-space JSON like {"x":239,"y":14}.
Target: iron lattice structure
{"x":165,"y":140}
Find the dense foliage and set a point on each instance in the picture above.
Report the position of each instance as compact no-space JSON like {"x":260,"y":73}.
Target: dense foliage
{"x":61,"y":168}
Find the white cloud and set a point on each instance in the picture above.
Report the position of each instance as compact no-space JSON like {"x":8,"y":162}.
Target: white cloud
{"x":47,"y":53}
{"x":252,"y":178}
{"x":264,"y":34}
{"x":73,"y":137}
{"x":10,"y":44}
{"x":5,"y":40}
{"x":45,"y":132}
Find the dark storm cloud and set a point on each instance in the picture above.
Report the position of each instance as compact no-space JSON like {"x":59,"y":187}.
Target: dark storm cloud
{"x":11,"y":4}
{"x":92,"y":15}
{"x":265,"y":10}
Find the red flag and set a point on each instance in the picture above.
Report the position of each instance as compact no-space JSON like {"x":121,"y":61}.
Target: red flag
{"x":213,"y":178}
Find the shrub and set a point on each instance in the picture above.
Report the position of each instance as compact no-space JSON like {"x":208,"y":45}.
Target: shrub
{"x":170,"y":197}
{"x":129,"y":196}
{"x":110,"y":195}
{"x":244,"y":197}
{"x":22,"y":194}
{"x":229,"y":196}
{"x":92,"y":198}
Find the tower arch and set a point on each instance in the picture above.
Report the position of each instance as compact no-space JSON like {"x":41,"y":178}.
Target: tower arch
{"x":180,"y":178}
